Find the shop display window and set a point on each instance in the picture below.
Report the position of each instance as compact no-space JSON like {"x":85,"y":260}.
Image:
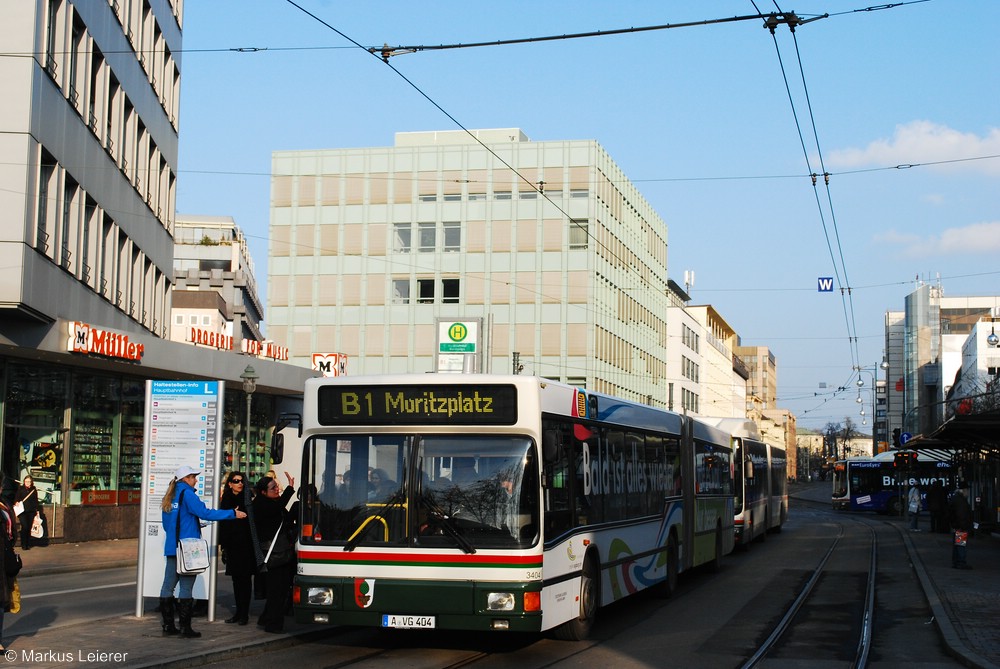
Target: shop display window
{"x":133,"y":403}
{"x":95,"y":415}
{"x":34,"y":422}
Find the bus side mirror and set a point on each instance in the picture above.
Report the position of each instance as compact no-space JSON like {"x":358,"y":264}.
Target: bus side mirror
{"x":277,"y":448}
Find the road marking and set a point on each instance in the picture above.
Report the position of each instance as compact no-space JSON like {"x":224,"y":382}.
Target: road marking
{"x":67,"y":592}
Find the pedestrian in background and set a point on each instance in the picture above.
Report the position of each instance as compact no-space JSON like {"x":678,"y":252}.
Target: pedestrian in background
{"x":960,"y":521}
{"x":7,"y":581}
{"x":273,"y":524}
{"x":937,"y":506}
{"x":237,"y":544}
{"x":182,"y":508}
{"x":27,"y":495}
{"x":913,"y":503}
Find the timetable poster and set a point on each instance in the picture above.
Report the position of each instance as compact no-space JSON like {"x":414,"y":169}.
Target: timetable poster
{"x":183,"y":426}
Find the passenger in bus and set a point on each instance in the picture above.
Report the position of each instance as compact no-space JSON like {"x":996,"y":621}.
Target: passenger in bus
{"x":382,"y":486}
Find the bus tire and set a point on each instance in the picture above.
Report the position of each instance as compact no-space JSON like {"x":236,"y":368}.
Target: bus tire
{"x":716,"y":564}
{"x":893,"y":507}
{"x":578,"y":629}
{"x":666,"y":588}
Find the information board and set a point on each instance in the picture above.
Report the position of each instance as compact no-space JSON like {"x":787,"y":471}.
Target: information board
{"x":183,"y":426}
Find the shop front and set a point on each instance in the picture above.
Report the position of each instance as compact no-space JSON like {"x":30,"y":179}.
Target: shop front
{"x":74,"y":421}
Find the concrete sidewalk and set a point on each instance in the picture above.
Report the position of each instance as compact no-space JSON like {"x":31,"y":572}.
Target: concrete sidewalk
{"x":965,"y":605}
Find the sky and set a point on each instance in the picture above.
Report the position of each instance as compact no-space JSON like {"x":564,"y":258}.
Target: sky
{"x":719,"y":124}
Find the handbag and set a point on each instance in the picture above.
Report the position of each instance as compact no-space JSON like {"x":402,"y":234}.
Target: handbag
{"x":192,"y":554}
{"x":279,"y":552}
{"x":37,"y":529}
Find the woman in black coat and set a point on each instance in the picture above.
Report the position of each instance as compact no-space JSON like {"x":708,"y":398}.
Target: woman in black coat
{"x":237,"y":545}
{"x":272,"y":520}
{"x":27,"y":494}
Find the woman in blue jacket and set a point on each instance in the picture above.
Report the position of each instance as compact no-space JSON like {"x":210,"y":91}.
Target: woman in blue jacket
{"x":182,"y":498}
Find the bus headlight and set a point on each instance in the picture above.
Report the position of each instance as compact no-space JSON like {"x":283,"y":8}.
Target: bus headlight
{"x":500,"y":601}
{"x":319,"y":596}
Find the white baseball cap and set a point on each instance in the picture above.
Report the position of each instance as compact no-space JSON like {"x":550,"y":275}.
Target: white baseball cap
{"x":186,"y":471}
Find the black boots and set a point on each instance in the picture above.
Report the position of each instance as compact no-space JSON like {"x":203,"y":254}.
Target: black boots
{"x":185,"y":608}
{"x":167,"y":612}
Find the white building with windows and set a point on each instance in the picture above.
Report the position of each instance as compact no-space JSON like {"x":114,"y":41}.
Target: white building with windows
{"x":545,"y":247}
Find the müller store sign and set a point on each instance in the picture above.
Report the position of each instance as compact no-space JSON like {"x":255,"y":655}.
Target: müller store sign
{"x":267,"y":349}
{"x":86,"y":339}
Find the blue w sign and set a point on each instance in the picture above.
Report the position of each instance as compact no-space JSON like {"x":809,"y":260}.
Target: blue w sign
{"x":825,"y":284}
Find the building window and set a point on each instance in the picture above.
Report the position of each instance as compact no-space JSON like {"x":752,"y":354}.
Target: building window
{"x":206,"y":320}
{"x":428,"y":198}
{"x":46,"y":186}
{"x":425,"y":291}
{"x":427,"y":236}
{"x":179,"y":319}
{"x":476,"y":197}
{"x":452,"y":198}
{"x":192,"y":320}
{"x":400,"y":291}
{"x":502,"y":195}
{"x":402,"y":237}
{"x":450,"y":289}
{"x":528,"y":195}
{"x":65,"y":236}
{"x":579,"y":233}
{"x":579,"y":192}
{"x":452,"y":233}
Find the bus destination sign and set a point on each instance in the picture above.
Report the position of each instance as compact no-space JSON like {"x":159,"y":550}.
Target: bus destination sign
{"x":486,"y":404}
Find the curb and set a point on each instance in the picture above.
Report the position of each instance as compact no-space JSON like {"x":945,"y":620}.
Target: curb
{"x":952,"y":641}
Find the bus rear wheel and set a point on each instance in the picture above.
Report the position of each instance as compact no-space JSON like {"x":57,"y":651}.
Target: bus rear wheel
{"x":578,"y":629}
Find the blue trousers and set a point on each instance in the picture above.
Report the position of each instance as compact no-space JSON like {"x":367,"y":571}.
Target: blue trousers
{"x":171,"y":578}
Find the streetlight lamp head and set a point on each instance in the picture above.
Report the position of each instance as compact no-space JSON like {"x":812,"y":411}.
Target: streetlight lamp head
{"x":992,"y":339}
{"x":249,"y":377}
{"x":859,"y":400}
{"x":861,"y":382}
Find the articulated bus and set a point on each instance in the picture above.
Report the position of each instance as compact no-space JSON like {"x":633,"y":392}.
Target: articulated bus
{"x":502,"y":502}
{"x":877,"y":484}
{"x":760,"y":479}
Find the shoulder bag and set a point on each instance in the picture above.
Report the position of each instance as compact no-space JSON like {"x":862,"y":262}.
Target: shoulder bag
{"x":279,"y":553}
{"x":37,"y":528}
{"x":192,"y":554}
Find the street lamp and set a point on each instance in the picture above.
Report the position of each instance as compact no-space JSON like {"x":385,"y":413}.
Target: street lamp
{"x":873,"y":370}
{"x":249,"y":377}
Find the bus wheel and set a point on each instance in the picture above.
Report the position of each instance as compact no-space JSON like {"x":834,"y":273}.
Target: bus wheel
{"x":668,"y":586}
{"x":590,"y":598}
{"x":892,"y":508}
{"x":716,"y":564}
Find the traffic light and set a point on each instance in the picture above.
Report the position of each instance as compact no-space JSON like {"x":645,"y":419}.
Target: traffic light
{"x":904,"y":460}
{"x":895,"y":437}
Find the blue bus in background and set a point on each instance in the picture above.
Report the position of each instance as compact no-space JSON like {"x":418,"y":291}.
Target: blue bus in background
{"x":879,"y":484}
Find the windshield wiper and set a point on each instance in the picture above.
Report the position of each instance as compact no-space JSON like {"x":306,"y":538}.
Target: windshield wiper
{"x":397,"y":498}
{"x":442,"y":519}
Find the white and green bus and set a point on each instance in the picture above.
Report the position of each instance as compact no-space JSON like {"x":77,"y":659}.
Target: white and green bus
{"x":481,"y":502}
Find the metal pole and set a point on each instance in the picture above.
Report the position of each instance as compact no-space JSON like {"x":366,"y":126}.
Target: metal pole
{"x":247,"y":436}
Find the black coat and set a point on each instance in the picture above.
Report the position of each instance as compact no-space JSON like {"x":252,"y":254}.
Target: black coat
{"x":6,"y":551}
{"x":29,"y":497}
{"x":268,"y":515}
{"x":235,"y":538}
{"x":959,"y":512}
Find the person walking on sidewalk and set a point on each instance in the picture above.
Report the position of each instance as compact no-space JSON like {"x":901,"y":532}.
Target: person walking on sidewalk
{"x":181,"y":509}
{"x":7,"y":582}
{"x":238,"y":546}
{"x":960,"y":521}
{"x":913,"y":503}
{"x":27,"y":495}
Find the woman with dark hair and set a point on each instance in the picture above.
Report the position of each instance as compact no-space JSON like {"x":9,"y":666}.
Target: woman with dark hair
{"x":273,"y":523}
{"x":237,"y":544}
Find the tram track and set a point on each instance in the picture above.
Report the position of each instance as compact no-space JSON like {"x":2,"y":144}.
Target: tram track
{"x":822,"y":603}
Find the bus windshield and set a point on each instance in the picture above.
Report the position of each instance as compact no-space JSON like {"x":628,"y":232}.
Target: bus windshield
{"x":427,"y":491}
